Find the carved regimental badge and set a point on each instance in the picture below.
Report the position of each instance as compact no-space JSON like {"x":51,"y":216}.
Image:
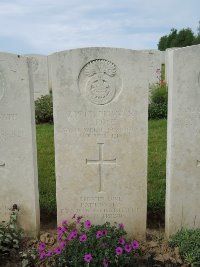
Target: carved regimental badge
{"x":2,"y":85}
{"x":99,"y":81}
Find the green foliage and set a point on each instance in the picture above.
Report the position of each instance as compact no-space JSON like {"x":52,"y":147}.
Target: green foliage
{"x":46,"y":168}
{"x":44,"y":109}
{"x":185,"y":37}
{"x":29,"y":257}
{"x":188,"y":242}
{"x":158,"y":103}
{"x":83,"y":244}
{"x":156,"y":171}
{"x":10,"y":234}
{"x":182,"y":38}
{"x":197,"y":40}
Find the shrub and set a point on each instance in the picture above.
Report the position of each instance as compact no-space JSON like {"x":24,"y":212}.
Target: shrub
{"x":158,"y":103}
{"x":188,"y":242}
{"x":10,"y":234}
{"x":83,"y":244}
{"x":44,"y":109}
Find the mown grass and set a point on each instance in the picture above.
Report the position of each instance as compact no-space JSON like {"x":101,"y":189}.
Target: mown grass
{"x":157,"y":143}
{"x":46,"y":168}
{"x":156,"y":168}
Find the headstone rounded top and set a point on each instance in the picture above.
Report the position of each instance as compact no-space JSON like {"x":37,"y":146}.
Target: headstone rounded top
{"x":100,"y":81}
{"x":2,"y":85}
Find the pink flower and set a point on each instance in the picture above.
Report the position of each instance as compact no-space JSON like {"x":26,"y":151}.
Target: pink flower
{"x":121,"y":226}
{"x":49,"y":253}
{"x":105,"y":263}
{"x":104,"y":232}
{"x":121,"y":241}
{"x":118,"y":250}
{"x":61,"y":230}
{"x":73,"y":234}
{"x":128,"y":248}
{"x":87,"y":258}
{"x":83,"y":238}
{"x":87,"y":224}
{"x":135,"y":244}
{"x":42,"y":255}
{"x":58,"y":251}
{"x":62,"y":245}
{"x":98,"y":234}
{"x":41,"y":247}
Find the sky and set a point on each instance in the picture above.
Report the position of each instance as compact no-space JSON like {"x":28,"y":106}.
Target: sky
{"x":48,"y":26}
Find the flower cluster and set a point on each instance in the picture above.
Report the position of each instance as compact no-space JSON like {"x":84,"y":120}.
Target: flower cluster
{"x":100,"y":245}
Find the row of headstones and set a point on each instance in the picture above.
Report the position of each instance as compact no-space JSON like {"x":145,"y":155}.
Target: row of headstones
{"x":100,"y":100}
{"x":42,"y":78}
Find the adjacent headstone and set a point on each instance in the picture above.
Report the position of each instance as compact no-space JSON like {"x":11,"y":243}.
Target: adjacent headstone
{"x":167,"y":55}
{"x":18,"y":164}
{"x":100,"y":115}
{"x":40,"y":75}
{"x":183,"y":148}
{"x":154,"y":70}
{"x":154,"y":66}
{"x":162,"y":57}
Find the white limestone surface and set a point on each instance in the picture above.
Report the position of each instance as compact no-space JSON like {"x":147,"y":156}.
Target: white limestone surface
{"x":154,"y":66}
{"x":40,"y":74}
{"x":18,"y":163}
{"x":183,"y":150}
{"x":100,"y":112}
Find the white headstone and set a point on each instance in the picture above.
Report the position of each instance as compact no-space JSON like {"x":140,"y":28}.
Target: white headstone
{"x":100,"y":115}
{"x":40,"y":75}
{"x":183,"y":148}
{"x":18,"y":163}
{"x":167,"y":55}
{"x":154,"y":66}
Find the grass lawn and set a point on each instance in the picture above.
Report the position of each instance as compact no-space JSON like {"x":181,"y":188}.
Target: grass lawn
{"x":156,"y":167}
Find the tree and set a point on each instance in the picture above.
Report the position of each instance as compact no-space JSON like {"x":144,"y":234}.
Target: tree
{"x":198,"y":29}
{"x":184,"y":37}
{"x":162,"y":45}
{"x":171,"y":38}
{"x":197,"y":40}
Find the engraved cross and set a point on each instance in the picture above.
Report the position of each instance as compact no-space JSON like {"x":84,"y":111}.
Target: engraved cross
{"x":100,"y":162}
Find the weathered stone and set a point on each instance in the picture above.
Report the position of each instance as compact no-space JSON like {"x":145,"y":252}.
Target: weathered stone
{"x":39,"y":74}
{"x":100,"y":114}
{"x":18,"y":163}
{"x":154,"y":66}
{"x":183,"y":150}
